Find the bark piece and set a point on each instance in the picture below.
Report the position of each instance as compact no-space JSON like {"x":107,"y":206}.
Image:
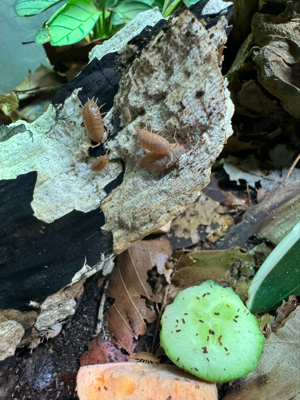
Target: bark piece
{"x":165,"y":89}
{"x":130,"y":381}
{"x":11,"y":333}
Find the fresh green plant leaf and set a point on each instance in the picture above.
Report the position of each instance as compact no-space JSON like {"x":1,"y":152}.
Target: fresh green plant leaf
{"x":72,"y":22}
{"x":169,"y":7}
{"x":25,"y":8}
{"x":117,"y":20}
{"x":158,"y":3}
{"x":111,"y":3}
{"x":129,"y":9}
{"x":42,"y":36}
{"x":190,"y":2}
{"x":278,"y":277}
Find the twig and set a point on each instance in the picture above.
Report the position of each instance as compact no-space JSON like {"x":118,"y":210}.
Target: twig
{"x":158,"y":320}
{"x":100,"y":311}
{"x":248,"y":190}
{"x":290,"y":171}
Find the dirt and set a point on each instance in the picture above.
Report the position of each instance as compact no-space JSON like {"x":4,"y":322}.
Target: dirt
{"x":50,"y":371}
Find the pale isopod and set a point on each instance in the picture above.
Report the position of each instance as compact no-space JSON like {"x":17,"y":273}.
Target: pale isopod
{"x":93,"y":120}
{"x":153,"y":142}
{"x":144,"y":356}
{"x":100,"y":163}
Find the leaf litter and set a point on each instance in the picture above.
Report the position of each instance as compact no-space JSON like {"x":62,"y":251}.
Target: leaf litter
{"x":133,"y":307}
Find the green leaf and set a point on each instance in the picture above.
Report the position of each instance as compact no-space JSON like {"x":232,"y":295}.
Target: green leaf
{"x":111,"y":3}
{"x":190,"y":2}
{"x":72,"y":22}
{"x":169,"y":7}
{"x":130,"y":9}
{"x":278,"y":277}
{"x":117,"y":20}
{"x":42,"y":36}
{"x":25,"y":8}
{"x":158,"y":3}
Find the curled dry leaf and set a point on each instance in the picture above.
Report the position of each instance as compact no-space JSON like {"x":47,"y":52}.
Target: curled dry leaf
{"x":129,"y":288}
{"x":284,"y":311}
{"x":132,"y":381}
{"x":233,"y":203}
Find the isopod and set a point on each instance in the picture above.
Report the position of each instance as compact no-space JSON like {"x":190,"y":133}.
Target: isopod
{"x":93,"y":120}
{"x":144,"y":356}
{"x":159,"y":162}
{"x":100,"y":163}
{"x":153,"y":142}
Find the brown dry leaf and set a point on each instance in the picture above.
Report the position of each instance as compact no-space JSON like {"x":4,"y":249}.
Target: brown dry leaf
{"x":8,"y":105}
{"x":284,"y":311}
{"x":128,"y":282}
{"x":187,"y":227}
{"x":102,"y":351}
{"x":233,"y":203}
{"x":277,"y":373}
{"x":44,"y":78}
{"x":195,"y":268}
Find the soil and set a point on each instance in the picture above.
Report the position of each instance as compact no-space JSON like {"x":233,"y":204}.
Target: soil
{"x":50,"y":371}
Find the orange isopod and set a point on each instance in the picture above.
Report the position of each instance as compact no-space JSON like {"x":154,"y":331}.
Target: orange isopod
{"x":93,"y":120}
{"x":153,"y":142}
{"x":159,"y":162}
{"x":100,"y":163}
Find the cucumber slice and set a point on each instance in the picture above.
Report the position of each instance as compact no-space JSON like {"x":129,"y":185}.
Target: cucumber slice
{"x":209,"y":332}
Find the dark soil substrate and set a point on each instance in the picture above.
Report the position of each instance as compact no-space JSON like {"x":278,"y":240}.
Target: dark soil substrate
{"x":50,"y":371}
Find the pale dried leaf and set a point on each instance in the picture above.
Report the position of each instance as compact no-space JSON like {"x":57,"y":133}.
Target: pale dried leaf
{"x":201,"y":212}
{"x":277,"y":373}
{"x":250,"y":171}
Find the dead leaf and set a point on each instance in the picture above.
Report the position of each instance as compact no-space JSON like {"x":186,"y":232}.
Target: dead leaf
{"x":249,"y":169}
{"x":277,"y":373}
{"x":195,"y":268}
{"x":44,"y":78}
{"x":284,"y":311}
{"x":164,"y":229}
{"x":102,"y":351}
{"x":128,"y":287}
{"x":132,"y":381}
{"x":199,"y":222}
{"x":233,"y":203}
{"x":8,"y":105}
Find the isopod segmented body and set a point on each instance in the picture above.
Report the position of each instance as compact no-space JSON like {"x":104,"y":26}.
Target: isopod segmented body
{"x":144,"y":356}
{"x":159,"y":162}
{"x":153,"y":142}
{"x":93,"y":120}
{"x":100,"y":163}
